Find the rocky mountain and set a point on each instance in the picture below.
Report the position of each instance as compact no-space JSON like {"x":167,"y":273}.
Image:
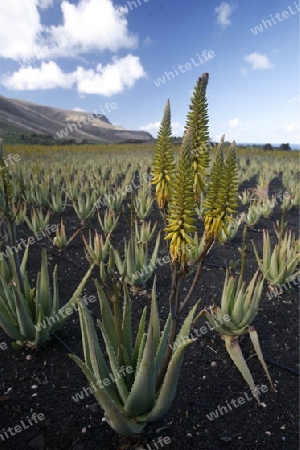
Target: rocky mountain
{"x":19,"y":116}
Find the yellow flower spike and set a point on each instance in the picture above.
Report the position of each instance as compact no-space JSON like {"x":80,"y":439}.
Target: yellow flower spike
{"x":222,"y":195}
{"x":181,"y":209}
{"x":163,"y":164}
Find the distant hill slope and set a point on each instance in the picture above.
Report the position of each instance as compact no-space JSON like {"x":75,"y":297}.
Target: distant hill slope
{"x":19,"y":116}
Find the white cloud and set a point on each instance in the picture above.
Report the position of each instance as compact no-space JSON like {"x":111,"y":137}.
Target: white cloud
{"x":224,"y":12}
{"x":153,"y":127}
{"x":19,"y":27}
{"x":258,"y":61}
{"x":234,"y":122}
{"x":48,"y":76}
{"x":112,"y":78}
{"x":91,"y":25}
{"x":105,"y":80}
{"x":79,"y":109}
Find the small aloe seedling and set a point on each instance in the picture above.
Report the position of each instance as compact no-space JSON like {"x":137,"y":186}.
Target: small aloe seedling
{"x":231,"y":230}
{"x":196,"y":249}
{"x":253,"y":215}
{"x":267,"y":207}
{"x":245,"y":197}
{"x":136,"y":267}
{"x":287,"y":203}
{"x":41,"y":194}
{"x":60,"y":240}
{"x":114,"y":200}
{"x":143,"y":202}
{"x":109,"y":222}
{"x":97,"y":250}
{"x":73,"y":190}
{"x":19,"y":212}
{"x":144,"y":233}
{"x":279,"y":265}
{"x":38,"y":222}
{"x":239,"y":306}
{"x":58,"y":201}
{"x":84,"y":206}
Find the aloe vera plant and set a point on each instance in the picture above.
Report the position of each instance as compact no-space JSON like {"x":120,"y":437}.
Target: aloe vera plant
{"x":143,"y":202}
{"x":60,"y":239}
{"x":134,"y":399}
{"x":97,"y":249}
{"x":19,"y":212}
{"x":253,"y":215}
{"x":37,"y":222}
{"x":267,"y":207}
{"x":279,"y":265}
{"x":137,"y":266}
{"x":30,"y":315}
{"x":57,"y":201}
{"x":239,"y":306}
{"x":144,"y":233}
{"x":84,"y":206}
{"x":109,"y":222}
{"x":233,"y":227}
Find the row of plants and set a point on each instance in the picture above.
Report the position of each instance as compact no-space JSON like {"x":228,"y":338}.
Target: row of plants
{"x":193,"y":187}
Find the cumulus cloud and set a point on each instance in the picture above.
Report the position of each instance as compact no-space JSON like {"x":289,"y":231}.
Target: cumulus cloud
{"x":153,"y":127}
{"x":91,"y":25}
{"x":48,"y":76}
{"x":105,"y":80}
{"x":258,"y":61}
{"x":112,"y":78}
{"x":224,"y":12}
{"x":20,"y":25}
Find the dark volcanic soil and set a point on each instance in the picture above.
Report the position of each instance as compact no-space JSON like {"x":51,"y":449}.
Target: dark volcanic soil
{"x":43,"y":380}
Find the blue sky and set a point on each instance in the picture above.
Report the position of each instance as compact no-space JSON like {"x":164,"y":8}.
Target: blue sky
{"x":126,"y":58}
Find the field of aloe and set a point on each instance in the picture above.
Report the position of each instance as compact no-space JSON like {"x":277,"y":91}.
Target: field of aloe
{"x":130,"y":280}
